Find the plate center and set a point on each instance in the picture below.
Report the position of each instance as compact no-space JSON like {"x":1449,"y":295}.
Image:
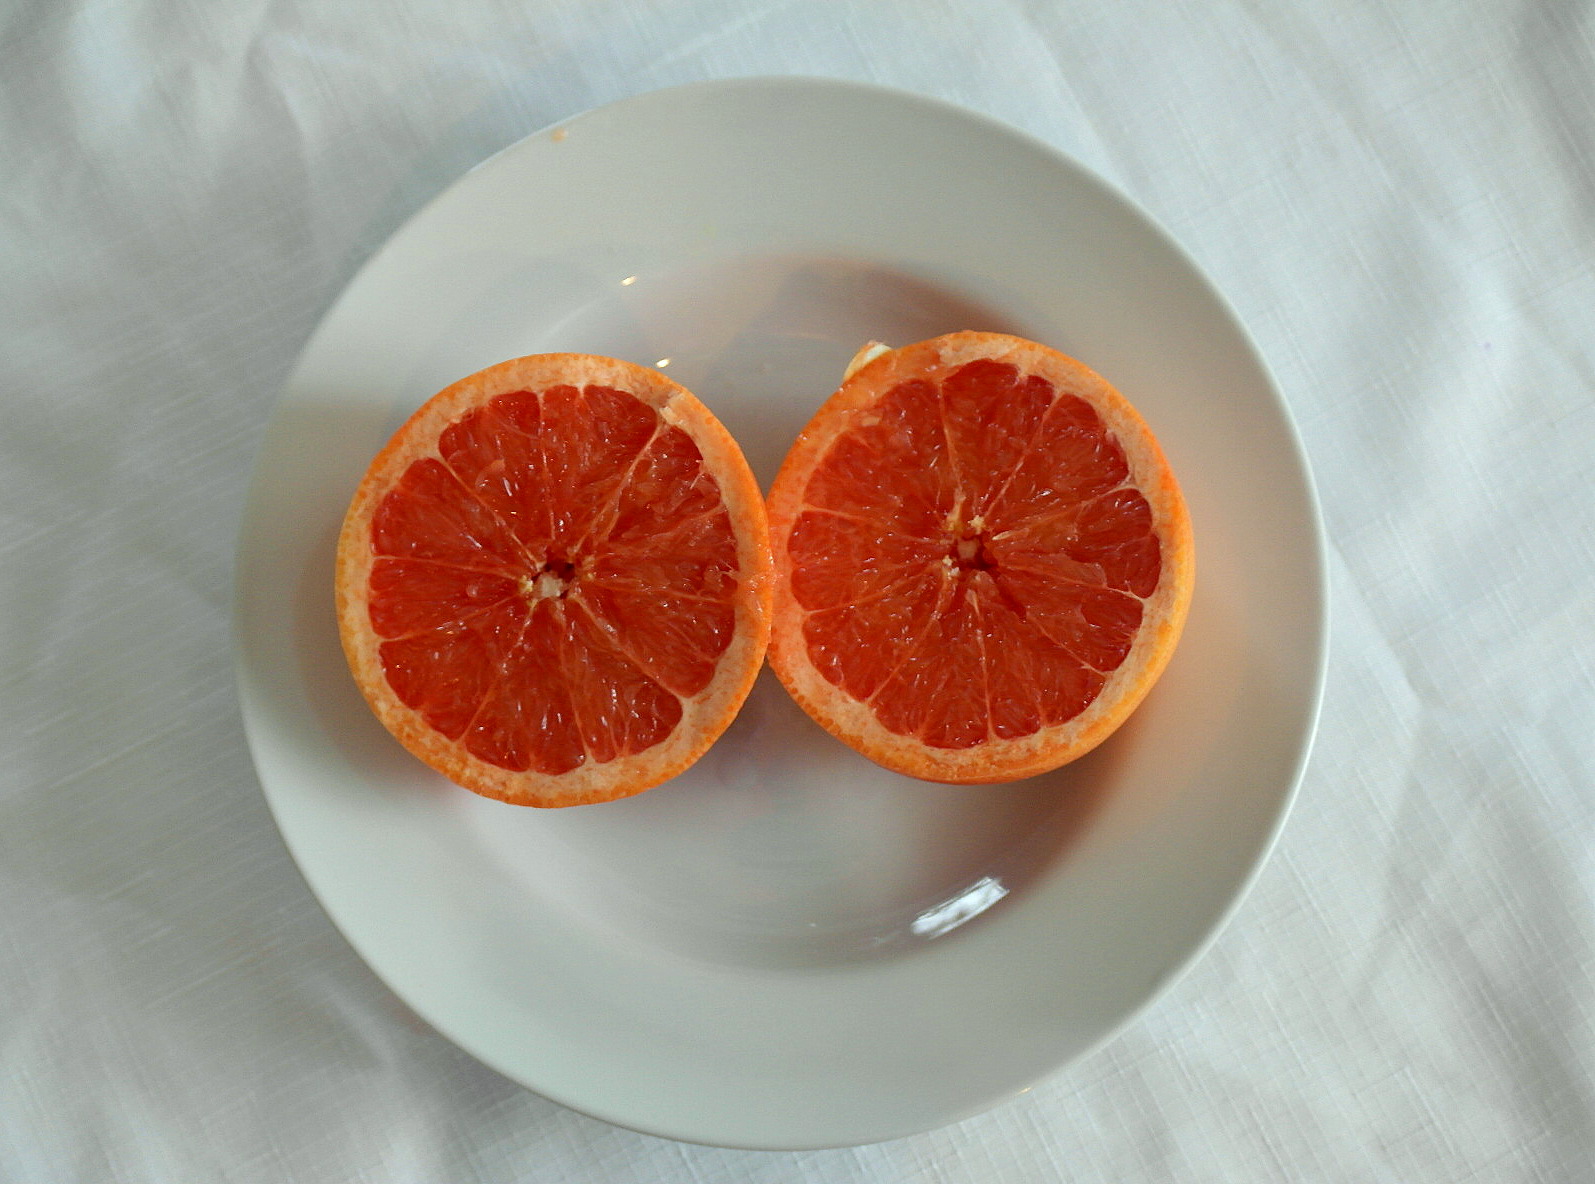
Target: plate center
{"x":782,"y":847}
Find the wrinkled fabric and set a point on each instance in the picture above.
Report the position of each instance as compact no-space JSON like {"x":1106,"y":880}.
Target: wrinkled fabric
{"x":1397,"y":199}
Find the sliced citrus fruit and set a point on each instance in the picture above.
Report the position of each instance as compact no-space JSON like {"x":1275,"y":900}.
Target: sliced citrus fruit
{"x":553,"y":583}
{"x":983,"y":561}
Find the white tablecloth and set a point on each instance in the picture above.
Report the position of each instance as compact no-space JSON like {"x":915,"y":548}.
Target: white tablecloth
{"x":1398,"y":198}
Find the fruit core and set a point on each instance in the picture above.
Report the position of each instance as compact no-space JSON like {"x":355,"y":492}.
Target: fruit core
{"x":552,"y":581}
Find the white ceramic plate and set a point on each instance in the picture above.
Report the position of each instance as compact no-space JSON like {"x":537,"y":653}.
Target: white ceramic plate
{"x":786,"y":946}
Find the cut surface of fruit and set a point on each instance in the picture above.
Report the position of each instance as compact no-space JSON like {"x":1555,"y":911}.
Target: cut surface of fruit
{"x":553,"y":584}
{"x":983,"y":561}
